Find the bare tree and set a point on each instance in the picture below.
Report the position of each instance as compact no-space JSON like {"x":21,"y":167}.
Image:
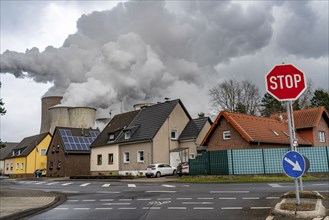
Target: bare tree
{"x":235,"y":96}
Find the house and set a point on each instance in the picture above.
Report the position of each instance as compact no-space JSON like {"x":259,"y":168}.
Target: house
{"x":240,"y":131}
{"x":153,"y":134}
{"x":190,"y":140}
{"x":4,"y":152}
{"x":69,"y":151}
{"x":313,"y":124}
{"x":28,"y":156}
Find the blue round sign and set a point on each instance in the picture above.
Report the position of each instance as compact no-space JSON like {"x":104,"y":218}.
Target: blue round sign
{"x":293,"y":164}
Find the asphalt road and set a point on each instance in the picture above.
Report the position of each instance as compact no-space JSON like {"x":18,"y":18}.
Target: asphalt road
{"x":122,"y":200}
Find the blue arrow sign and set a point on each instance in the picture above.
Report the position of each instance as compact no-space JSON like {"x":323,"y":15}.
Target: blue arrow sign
{"x":293,"y":164}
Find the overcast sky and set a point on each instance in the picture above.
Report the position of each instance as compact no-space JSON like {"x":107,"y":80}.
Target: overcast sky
{"x":101,"y":53}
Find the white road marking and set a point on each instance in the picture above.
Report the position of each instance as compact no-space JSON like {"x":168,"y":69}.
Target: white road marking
{"x":274,"y":185}
{"x":205,"y":198}
{"x":38,"y":183}
{"x":151,"y":208}
{"x":227,"y":198}
{"x":88,"y":200}
{"x":106,"y":185}
{"x":160,"y":191}
{"x":163,"y":198}
{"x":128,"y":208}
{"x":85,"y":184}
{"x":106,"y":200}
{"x":131,"y":185}
{"x":125,"y":199}
{"x":81,"y":208}
{"x":250,"y":198}
{"x":118,"y":203}
{"x":70,"y":191}
{"x":178,"y":208}
{"x":103,"y":208}
{"x":73,"y":200}
{"x":146,"y":199}
{"x":66,"y":184}
{"x":260,"y":207}
{"x":229,"y":191}
{"x":106,"y":192}
{"x":53,"y":183}
{"x":231,"y":208}
{"x":184,"y":198}
{"x":197,"y":203}
{"x":61,"y":208}
{"x":205,"y":208}
{"x":168,"y":185}
{"x":272,"y":197}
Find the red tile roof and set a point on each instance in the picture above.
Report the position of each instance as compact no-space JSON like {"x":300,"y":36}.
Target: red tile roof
{"x":307,"y":118}
{"x":257,"y":129}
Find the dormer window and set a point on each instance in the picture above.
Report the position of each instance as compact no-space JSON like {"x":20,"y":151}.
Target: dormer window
{"x":127,"y":134}
{"x":111,"y":137}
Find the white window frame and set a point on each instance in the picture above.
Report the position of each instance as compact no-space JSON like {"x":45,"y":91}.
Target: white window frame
{"x":99,"y":162}
{"x":127,"y":134}
{"x":22,"y":166}
{"x":322,"y":136}
{"x":175,"y":132}
{"x":139,"y":156}
{"x":17,"y":166}
{"x":126,"y":159}
{"x":43,"y":152}
{"x":111,"y":137}
{"x":226,"y":135}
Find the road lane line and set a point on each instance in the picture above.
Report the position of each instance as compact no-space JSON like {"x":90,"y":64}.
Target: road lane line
{"x":146,"y":199}
{"x":85,"y":184}
{"x":106,"y":192}
{"x":53,"y":183}
{"x":227,"y":198}
{"x":128,"y":208}
{"x":131,"y":185}
{"x":229,"y":208}
{"x":61,"y":208}
{"x":272,"y":197}
{"x":206,"y":198}
{"x":184,"y":198}
{"x":73,"y":200}
{"x":163,"y":198}
{"x":38,"y":183}
{"x":125,"y":199}
{"x":151,"y":208}
{"x":70,"y":191}
{"x":205,"y":208}
{"x":106,"y":185}
{"x":81,"y":208}
{"x":88,"y":200}
{"x":160,"y":191}
{"x":177,"y":208}
{"x":118,"y":203}
{"x":106,"y":200}
{"x":229,"y":191}
{"x":260,"y":207}
{"x":197,"y":203}
{"x":274,"y":185}
{"x":165,"y":185}
{"x":66,"y":184}
{"x":250,"y":198}
{"x":103,"y":208}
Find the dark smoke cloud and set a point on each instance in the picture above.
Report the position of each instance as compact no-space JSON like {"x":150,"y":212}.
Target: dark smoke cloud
{"x":140,"y":50}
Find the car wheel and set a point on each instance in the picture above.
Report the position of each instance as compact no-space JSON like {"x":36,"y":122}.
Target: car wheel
{"x":158,"y":174}
{"x":174,"y":172}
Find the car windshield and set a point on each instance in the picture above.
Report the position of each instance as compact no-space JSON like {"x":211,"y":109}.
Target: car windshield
{"x":151,"y":166}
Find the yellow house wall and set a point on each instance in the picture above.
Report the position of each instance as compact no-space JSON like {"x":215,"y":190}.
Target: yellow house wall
{"x":19,"y":165}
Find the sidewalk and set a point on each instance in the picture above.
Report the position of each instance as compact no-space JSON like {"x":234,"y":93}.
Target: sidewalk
{"x":15,"y":204}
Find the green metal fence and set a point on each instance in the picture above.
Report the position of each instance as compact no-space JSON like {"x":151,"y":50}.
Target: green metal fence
{"x":255,"y":161}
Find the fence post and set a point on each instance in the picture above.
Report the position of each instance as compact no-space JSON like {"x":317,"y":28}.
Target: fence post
{"x":327,"y":149}
{"x":232,"y":162}
{"x":263,"y":160}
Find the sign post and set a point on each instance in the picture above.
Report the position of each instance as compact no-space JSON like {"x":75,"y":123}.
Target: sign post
{"x":287,"y":83}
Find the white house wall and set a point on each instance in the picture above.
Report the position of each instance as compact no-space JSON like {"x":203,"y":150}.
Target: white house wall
{"x":105,"y":167}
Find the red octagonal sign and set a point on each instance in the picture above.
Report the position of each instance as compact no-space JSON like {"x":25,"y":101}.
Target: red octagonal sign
{"x":285,"y":82}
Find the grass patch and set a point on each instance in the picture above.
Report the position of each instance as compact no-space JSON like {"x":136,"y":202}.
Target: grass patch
{"x":240,"y":178}
{"x":296,"y":207}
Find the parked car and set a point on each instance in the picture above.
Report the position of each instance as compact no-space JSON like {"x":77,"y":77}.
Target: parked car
{"x":183,"y":169}
{"x":40,"y":173}
{"x":159,"y":169}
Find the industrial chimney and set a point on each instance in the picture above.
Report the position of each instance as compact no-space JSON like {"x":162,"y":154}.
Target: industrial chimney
{"x":46,"y":103}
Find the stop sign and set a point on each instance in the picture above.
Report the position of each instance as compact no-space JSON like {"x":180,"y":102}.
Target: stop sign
{"x":285,"y":82}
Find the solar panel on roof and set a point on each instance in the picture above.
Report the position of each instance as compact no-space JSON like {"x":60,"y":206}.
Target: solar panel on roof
{"x":77,"y":143}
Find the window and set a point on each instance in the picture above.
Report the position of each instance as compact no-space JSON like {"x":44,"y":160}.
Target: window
{"x":111,"y":137}
{"x":140,"y":156}
{"x":226,"y":135}
{"x":43,"y":152}
{"x":322,"y":137}
{"x":192,"y":156}
{"x":126,"y":158}
{"x":19,"y":152}
{"x":174,"y":134}
{"x":59,"y":165}
{"x":22,"y":166}
{"x":17,"y":166}
{"x":110,"y":158}
{"x":51,"y":164}
{"x":11,"y":166}
{"x":99,"y":159}
{"x":127,"y":134}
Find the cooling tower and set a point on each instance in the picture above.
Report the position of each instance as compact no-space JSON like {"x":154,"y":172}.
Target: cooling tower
{"x":59,"y":116}
{"x":82,"y":117}
{"x":46,"y":103}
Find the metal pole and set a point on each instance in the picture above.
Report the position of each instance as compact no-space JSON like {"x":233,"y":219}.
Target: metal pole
{"x":291,"y":138}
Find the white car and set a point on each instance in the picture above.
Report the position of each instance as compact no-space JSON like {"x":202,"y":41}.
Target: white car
{"x":160,"y":169}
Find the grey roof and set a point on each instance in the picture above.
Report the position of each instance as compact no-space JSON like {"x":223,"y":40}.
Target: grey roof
{"x":193,"y":128}
{"x":27,"y":145}
{"x":5,"y":151}
{"x":149,"y":120}
{"x":115,"y":127}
